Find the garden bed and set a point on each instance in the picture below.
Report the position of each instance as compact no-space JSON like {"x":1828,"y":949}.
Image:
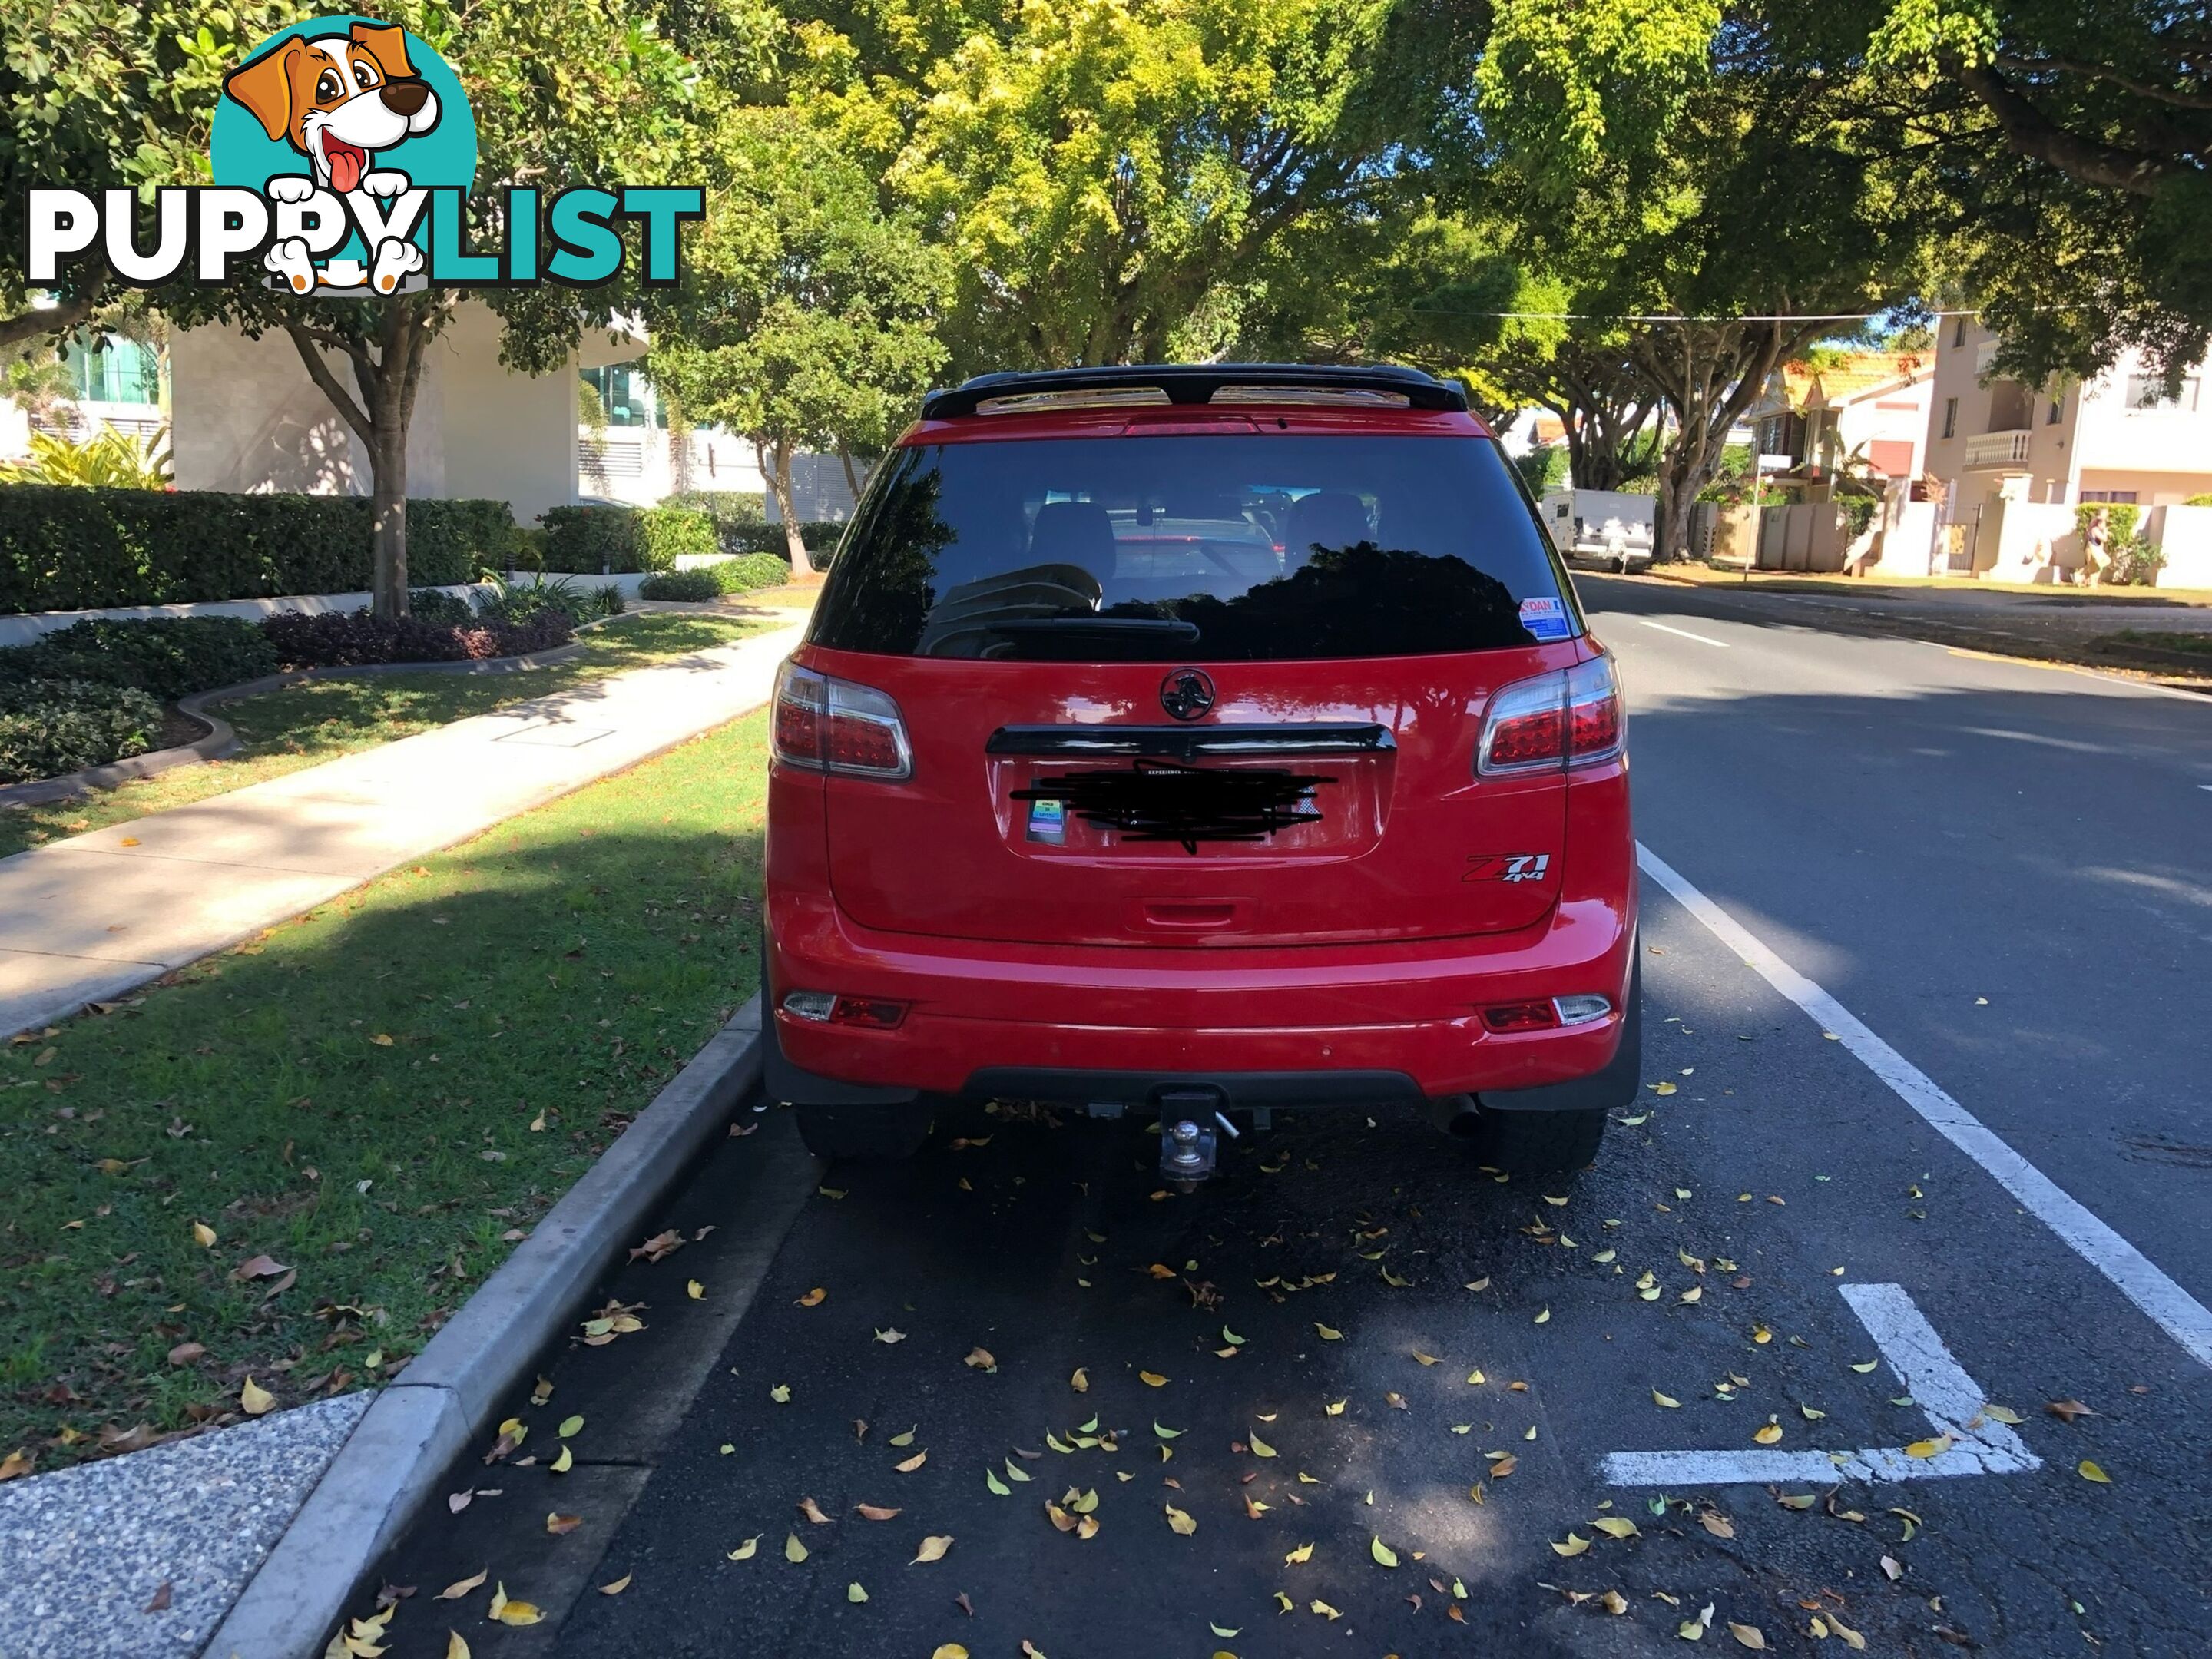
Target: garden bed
{"x":283,"y":730}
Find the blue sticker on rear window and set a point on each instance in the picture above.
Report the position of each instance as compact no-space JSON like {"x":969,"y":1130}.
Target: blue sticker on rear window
{"x":1545,"y":618}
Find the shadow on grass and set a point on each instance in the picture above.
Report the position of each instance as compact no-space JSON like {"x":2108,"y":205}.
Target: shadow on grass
{"x":373,"y":1095}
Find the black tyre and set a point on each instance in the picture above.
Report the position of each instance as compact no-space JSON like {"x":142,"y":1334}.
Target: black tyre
{"x":1536,"y":1142}
{"x":877,"y":1134}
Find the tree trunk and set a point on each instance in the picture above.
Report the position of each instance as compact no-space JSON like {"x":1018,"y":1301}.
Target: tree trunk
{"x":775,"y":466}
{"x":853,"y":479}
{"x":388,"y":469}
{"x":380,"y":416}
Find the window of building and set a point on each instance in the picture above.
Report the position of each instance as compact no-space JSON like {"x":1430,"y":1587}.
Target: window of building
{"x":1958,"y":332}
{"x":2056,"y":412}
{"x":2115,"y":497}
{"x":626,"y":395}
{"x":113,"y":370}
{"x":2149,"y":392}
{"x":1950,"y":417}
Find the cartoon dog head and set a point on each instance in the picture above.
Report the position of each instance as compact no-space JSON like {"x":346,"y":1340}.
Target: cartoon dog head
{"x":337,"y":99}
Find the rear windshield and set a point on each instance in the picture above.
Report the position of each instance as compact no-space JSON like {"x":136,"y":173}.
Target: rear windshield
{"x":1226,"y":547}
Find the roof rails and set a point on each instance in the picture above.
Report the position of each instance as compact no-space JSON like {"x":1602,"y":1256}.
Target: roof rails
{"x":1196,"y":383}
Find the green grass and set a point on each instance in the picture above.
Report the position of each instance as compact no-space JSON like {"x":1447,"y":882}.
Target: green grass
{"x":1901,"y":587}
{"x":318,"y":720}
{"x":2199,"y":644}
{"x":374,"y":1094}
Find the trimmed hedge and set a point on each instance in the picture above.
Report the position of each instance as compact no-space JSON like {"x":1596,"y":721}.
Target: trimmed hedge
{"x":742,"y":574}
{"x":167,"y":657}
{"x":332,"y":641}
{"x":819,"y":535}
{"x":48,"y":727}
{"x":69,"y":548}
{"x":735,"y":513}
{"x":620,"y":540}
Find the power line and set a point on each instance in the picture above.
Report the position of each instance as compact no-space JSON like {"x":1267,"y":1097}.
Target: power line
{"x":1671,"y":317}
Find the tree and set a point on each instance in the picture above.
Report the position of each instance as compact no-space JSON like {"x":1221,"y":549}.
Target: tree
{"x":100,"y":94}
{"x":1720,"y":206}
{"x":1107,"y":171}
{"x":807,"y":315}
{"x":563,"y":93}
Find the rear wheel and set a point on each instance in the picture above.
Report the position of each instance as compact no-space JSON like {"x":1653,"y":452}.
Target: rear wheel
{"x":866,"y":1133}
{"x":1531,"y":1142}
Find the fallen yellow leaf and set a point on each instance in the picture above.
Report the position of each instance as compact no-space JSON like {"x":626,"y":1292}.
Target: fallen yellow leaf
{"x":1151,"y":1379}
{"x":1575,"y":1544}
{"x":1748,"y":1635}
{"x":1081,"y":1381}
{"x":746,"y":1550}
{"x":455,"y":1591}
{"x":1261,"y":1448}
{"x":1180,"y":1522}
{"x":1327,"y":1334}
{"x":1615,"y":1525}
{"x":912,"y":1462}
{"x":203,"y":1235}
{"x":1768,"y":1433}
{"x":1935,"y":1447}
{"x":456,"y":1648}
{"x":981,"y":1359}
{"x":814,"y":1298}
{"x":854,"y":1593}
{"x":253,"y":1399}
{"x":618,"y":1586}
{"x":1383,"y":1554}
{"x":694,"y":1290}
{"x":793,"y":1551}
{"x":2090,"y":1471}
{"x":564,"y":1462}
{"x":513,"y":1613}
{"x":1667,"y":1400}
{"x":932,"y":1549}
{"x":1299,"y":1556}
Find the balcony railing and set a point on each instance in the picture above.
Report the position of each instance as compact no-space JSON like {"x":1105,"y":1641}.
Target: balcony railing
{"x":1998,"y":449}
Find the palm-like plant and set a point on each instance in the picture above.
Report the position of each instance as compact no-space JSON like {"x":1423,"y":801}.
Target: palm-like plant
{"x":110,"y":460}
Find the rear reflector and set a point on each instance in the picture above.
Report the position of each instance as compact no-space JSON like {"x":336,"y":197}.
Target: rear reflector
{"x":823,"y":1008}
{"x":828,"y":725}
{"x":1552,"y":721}
{"x":1520,"y":1016}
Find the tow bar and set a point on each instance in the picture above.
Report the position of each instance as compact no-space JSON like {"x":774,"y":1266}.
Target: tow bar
{"x":1187,"y":1144}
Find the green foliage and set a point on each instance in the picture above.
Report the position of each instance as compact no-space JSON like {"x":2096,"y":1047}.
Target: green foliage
{"x":1858,"y":513}
{"x":167,"y":656}
{"x":1110,"y":173}
{"x":519,"y":604}
{"x":624,"y":539}
{"x":689,"y":585}
{"x":109,"y":460}
{"x":1544,"y":467}
{"x":434,"y":604}
{"x":2204,"y":499}
{"x":65,"y":548}
{"x":741,"y":574}
{"x":50,"y":727}
{"x":805,"y":317}
{"x":730,"y":509}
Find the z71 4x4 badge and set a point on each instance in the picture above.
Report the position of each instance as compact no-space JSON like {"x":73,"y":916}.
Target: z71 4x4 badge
{"x":1507,"y":867}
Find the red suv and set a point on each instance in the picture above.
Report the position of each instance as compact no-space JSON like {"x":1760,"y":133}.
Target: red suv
{"x":1200,"y":740}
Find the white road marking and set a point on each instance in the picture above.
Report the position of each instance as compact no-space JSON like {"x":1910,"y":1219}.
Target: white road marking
{"x":2204,"y":786}
{"x":1939,"y":1385}
{"x":2171,"y":1309}
{"x":1683,"y":633}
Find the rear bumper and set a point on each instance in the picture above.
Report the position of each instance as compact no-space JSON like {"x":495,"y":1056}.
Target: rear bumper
{"x":1314,"y":1025}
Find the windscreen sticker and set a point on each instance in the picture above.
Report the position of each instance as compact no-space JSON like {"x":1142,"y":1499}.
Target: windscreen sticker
{"x":1547,"y":619}
{"x":1049,"y":821}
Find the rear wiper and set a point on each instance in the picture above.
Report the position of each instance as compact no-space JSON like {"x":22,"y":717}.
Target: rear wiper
{"x":1173,"y":627}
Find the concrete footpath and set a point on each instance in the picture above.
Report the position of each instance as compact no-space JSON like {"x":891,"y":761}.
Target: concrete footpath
{"x":87,"y":919}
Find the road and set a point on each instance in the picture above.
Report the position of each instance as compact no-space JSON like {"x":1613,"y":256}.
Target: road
{"x":2003,"y":877}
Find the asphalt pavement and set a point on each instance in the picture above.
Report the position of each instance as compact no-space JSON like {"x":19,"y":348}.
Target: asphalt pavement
{"x":1794,"y":1339}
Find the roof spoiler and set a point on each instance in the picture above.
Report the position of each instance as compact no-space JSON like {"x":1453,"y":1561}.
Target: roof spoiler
{"x":1196,"y":383}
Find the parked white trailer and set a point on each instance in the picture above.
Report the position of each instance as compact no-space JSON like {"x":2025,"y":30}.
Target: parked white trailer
{"x":1602,"y":524}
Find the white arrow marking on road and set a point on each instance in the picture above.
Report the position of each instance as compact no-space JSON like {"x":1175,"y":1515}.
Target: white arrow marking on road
{"x":2176,"y":1312}
{"x":1937,"y":1384}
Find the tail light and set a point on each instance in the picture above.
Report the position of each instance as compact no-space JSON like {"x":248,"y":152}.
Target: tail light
{"x":829,"y":725}
{"x":829,"y":1008}
{"x":1570,"y":718}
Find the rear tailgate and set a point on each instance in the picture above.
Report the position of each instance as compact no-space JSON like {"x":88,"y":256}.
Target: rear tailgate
{"x":1338,"y":803}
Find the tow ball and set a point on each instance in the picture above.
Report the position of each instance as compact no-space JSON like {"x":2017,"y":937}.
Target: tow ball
{"x":1188,"y":1147}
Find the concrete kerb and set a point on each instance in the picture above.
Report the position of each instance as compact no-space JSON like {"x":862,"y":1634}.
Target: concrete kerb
{"x":391,"y":1467}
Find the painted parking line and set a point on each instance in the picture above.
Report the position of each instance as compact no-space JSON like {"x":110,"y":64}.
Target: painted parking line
{"x":1679,"y":633}
{"x":2171,"y":1309}
{"x":1937,"y":1382}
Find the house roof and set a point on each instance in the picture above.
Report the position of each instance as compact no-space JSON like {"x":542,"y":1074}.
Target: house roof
{"x":1859,"y":375}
